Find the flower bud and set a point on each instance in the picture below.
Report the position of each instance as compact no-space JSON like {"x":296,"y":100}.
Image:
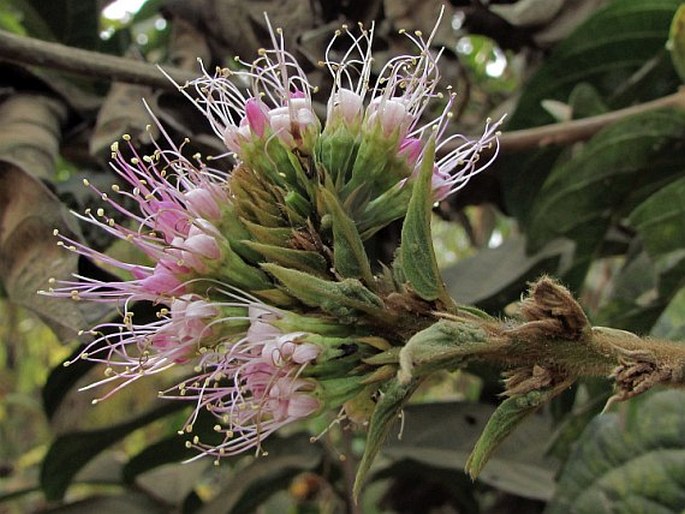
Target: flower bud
{"x":390,"y":114}
{"x":345,"y":104}
{"x":203,"y":202}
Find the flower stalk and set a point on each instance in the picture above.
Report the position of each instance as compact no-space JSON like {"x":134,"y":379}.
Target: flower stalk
{"x":262,"y":287}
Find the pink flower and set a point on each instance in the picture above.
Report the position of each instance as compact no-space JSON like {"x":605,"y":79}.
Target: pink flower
{"x":346,"y":104}
{"x":279,"y":102}
{"x":253,"y":386}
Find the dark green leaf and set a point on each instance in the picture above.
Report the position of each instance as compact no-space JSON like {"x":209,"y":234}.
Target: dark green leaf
{"x":604,"y":51}
{"x":619,"y":51}
{"x":495,"y":277}
{"x":73,"y":22}
{"x":660,"y":220}
{"x":416,"y":250}
{"x":264,"y":476}
{"x":388,"y":408}
{"x":130,"y":503}
{"x":70,"y":452}
{"x":648,"y":282}
{"x":628,"y":465}
{"x":617,"y":169}
{"x":172,"y":449}
{"x":443,"y":434}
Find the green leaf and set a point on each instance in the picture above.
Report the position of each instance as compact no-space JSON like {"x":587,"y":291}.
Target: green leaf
{"x":616,"y":170}
{"x":73,"y":22}
{"x":172,"y":449}
{"x":256,"y":482}
{"x":619,"y":51}
{"x":416,"y":250}
{"x":648,"y":282}
{"x":302,"y":260}
{"x":501,"y":424}
{"x":442,"y":435}
{"x":495,"y":277}
{"x":604,"y":51}
{"x":676,"y":41}
{"x":349,"y":255}
{"x":660,"y":220}
{"x":388,"y":408}
{"x":345,"y":299}
{"x":70,"y":452}
{"x":131,"y":503}
{"x":633,"y":464}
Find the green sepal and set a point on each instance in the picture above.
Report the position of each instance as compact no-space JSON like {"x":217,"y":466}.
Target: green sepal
{"x":303,"y":260}
{"x":416,"y":249}
{"x":676,"y":42}
{"x":278,"y":236}
{"x":254,"y":201}
{"x":390,"y":356}
{"x":335,"y":153}
{"x":301,"y":207}
{"x":502,"y":422}
{"x":445,"y":345}
{"x":384,"y":209}
{"x":337,"y":358}
{"x":387,"y":410}
{"x":276,"y":297}
{"x":276,"y":162}
{"x":232,"y":228}
{"x":336,"y":391}
{"x":347,"y":299}
{"x":377,"y":166}
{"x":235,"y":271}
{"x":323,"y":326}
{"x":304,"y":182}
{"x":349,"y":255}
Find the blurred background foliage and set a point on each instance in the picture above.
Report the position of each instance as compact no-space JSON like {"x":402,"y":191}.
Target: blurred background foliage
{"x":604,"y":210}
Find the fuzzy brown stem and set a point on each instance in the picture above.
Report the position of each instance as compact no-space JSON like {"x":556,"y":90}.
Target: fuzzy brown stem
{"x":550,"y":346}
{"x":557,"y":343}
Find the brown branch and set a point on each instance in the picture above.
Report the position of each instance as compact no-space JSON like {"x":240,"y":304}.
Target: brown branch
{"x":568,"y":132}
{"x":53,"y":55}
{"x":25,"y":50}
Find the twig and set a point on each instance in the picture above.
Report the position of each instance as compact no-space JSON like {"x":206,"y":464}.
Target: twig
{"x":568,"y":132}
{"x":26,"y":50}
{"x":53,"y":55}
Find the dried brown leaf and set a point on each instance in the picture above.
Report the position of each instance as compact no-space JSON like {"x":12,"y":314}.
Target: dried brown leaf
{"x":29,"y":256}
{"x":30,"y":132}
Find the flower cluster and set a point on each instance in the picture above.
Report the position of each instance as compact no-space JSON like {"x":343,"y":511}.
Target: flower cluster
{"x":259,"y":279}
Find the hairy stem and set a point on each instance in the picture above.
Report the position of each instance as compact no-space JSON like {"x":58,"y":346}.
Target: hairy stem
{"x":553,"y":345}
